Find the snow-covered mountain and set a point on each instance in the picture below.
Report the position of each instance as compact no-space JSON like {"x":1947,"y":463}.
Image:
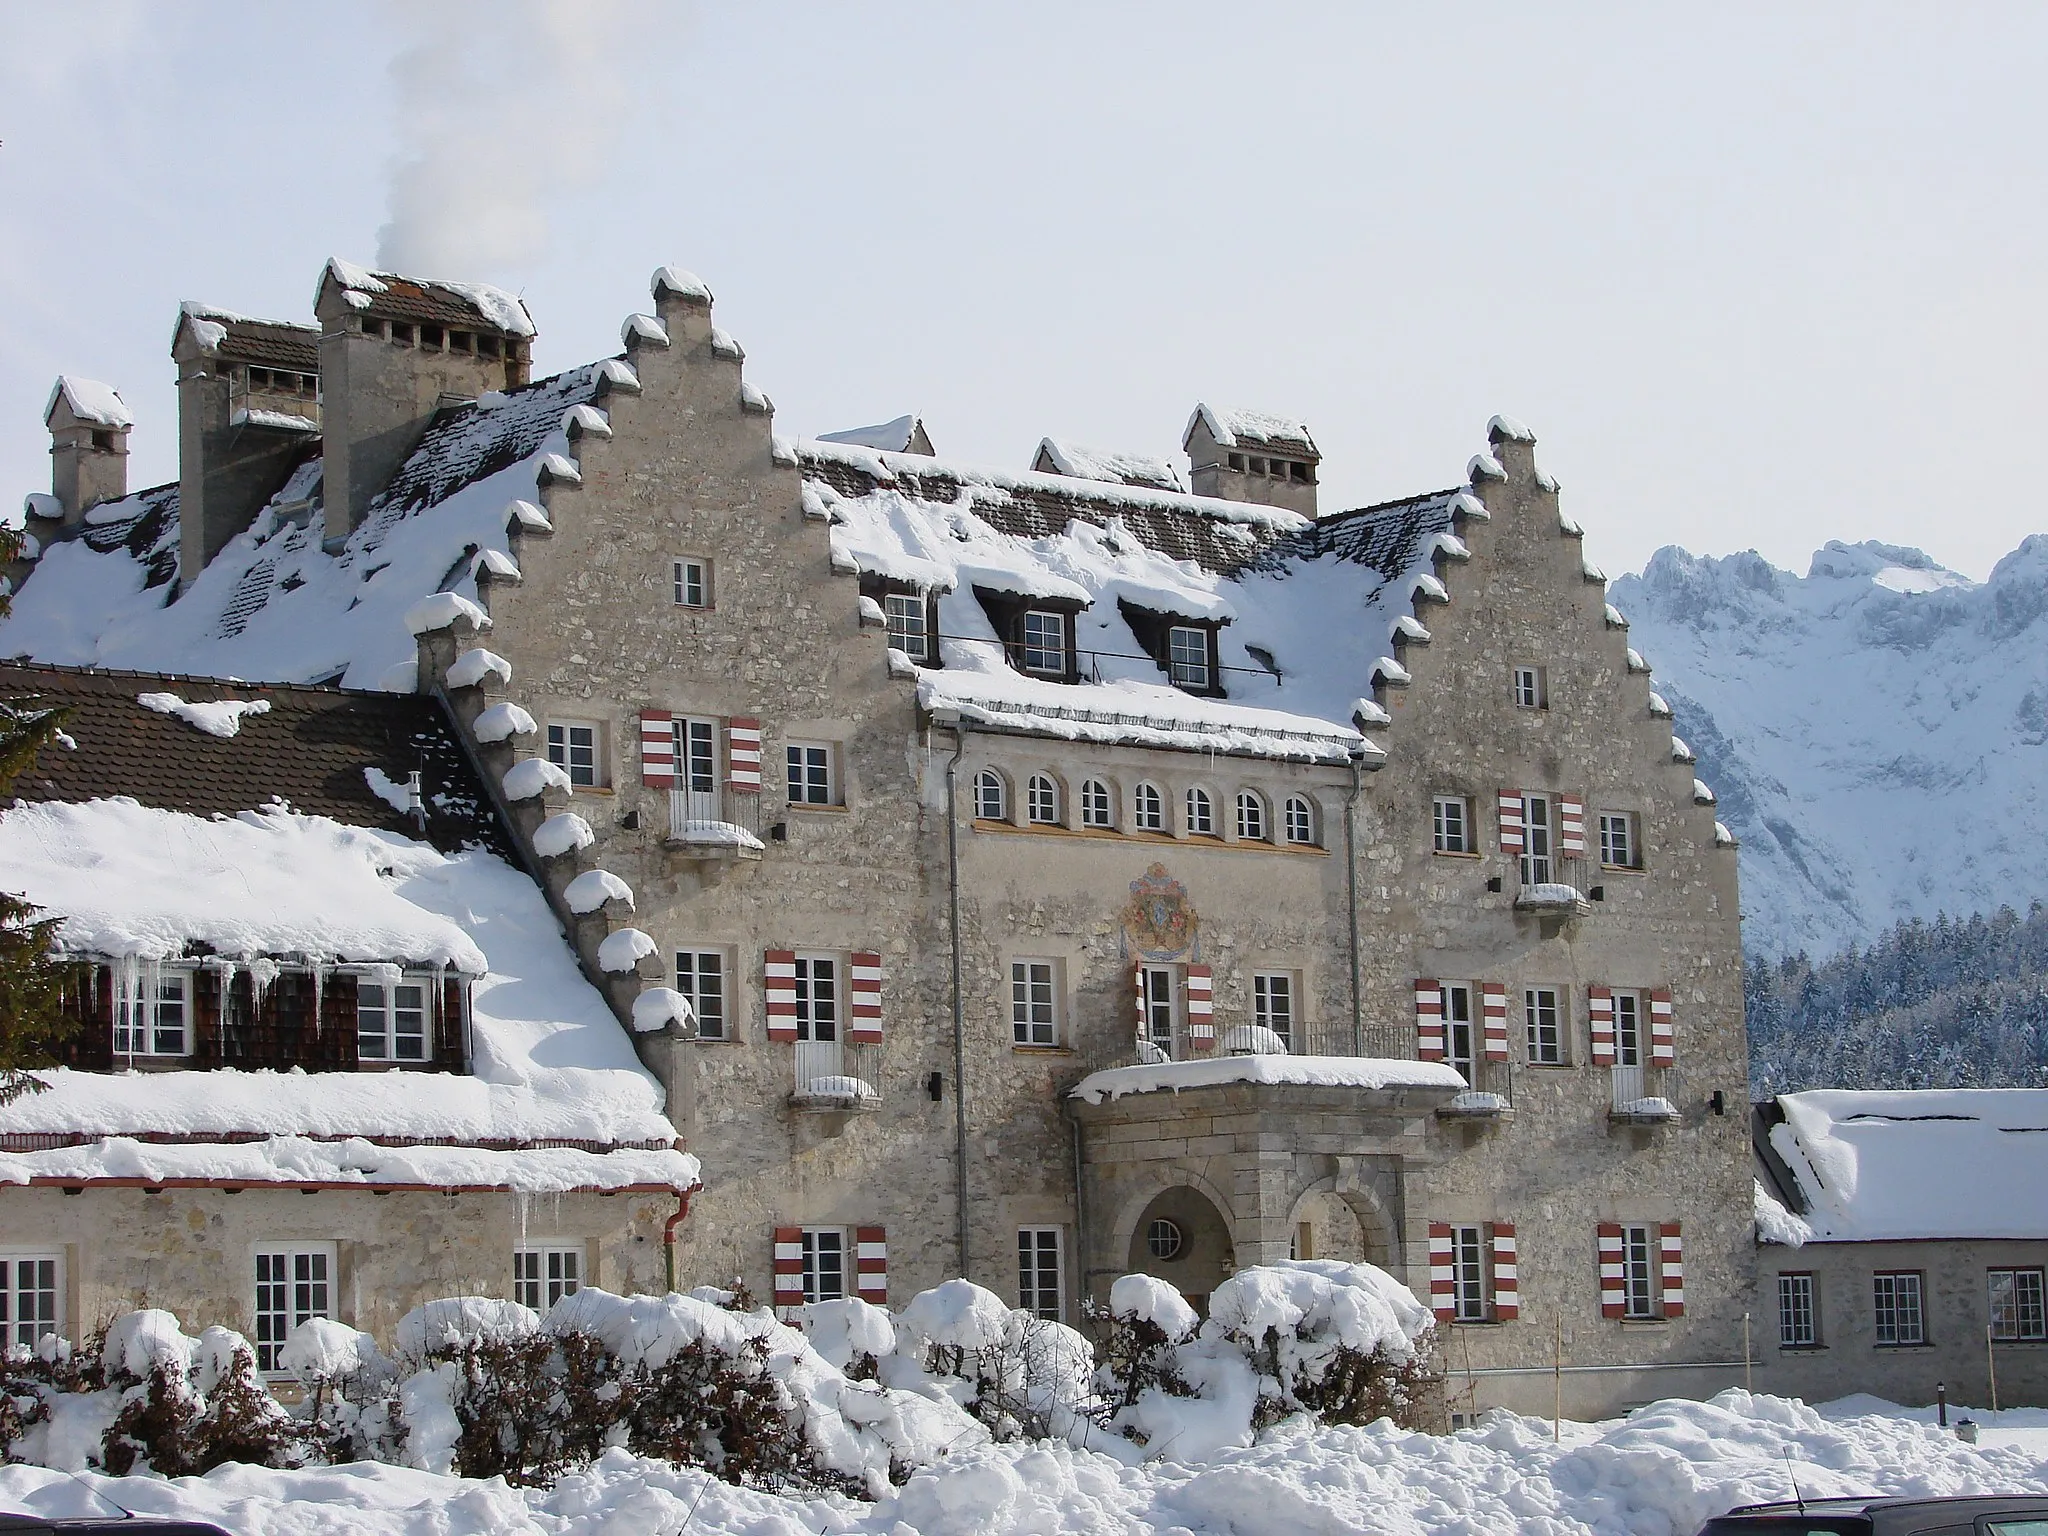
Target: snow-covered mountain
{"x":1877,"y":730}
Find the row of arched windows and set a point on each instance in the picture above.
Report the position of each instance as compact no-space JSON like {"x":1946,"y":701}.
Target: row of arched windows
{"x":1096,"y":808}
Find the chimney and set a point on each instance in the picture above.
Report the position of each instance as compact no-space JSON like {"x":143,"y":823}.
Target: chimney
{"x":1252,"y":456}
{"x":393,"y":351}
{"x":89,"y":425}
{"x":248,"y":415}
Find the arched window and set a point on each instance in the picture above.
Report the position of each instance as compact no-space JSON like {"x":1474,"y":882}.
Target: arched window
{"x":991,"y":796}
{"x":1251,"y":816}
{"x":1097,"y":804}
{"x":1201,"y":814}
{"x":1148,"y":808}
{"x":1042,"y":801}
{"x":1301,"y":820}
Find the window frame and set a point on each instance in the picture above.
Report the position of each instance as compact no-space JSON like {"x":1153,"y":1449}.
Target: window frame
{"x":1032,"y":641}
{"x":1642,"y":1294}
{"x":1798,"y":1310}
{"x":1097,"y":803}
{"x":1155,"y":1008}
{"x":1052,"y":797}
{"x":1628,"y":824}
{"x":1288,"y":995}
{"x":1191,"y":657}
{"x":1543,"y":1023}
{"x":561,"y":750}
{"x":691,"y":986}
{"x":325,"y":1250}
{"x":1306,"y":821}
{"x":388,"y":1033}
{"x":1457,"y":998}
{"x":906,"y":606}
{"x":1159,"y":819}
{"x":11,"y":1291}
{"x":1529,"y":687}
{"x":688,"y":573}
{"x":1048,"y":1304}
{"x":1444,"y":837}
{"x":1205,"y":824}
{"x":2026,"y":1315}
{"x":151,"y":979}
{"x":549,"y":1283}
{"x":1025,"y":1021}
{"x":805,"y":986}
{"x":1471,"y":1287}
{"x":982,"y":780}
{"x":814,"y":1244}
{"x":1631,"y":1039}
{"x":1539,"y":825}
{"x":798,"y":776}
{"x":697,"y":753}
{"x":1163,"y":1232}
{"x":1252,"y":817}
{"x":1887,"y":1314}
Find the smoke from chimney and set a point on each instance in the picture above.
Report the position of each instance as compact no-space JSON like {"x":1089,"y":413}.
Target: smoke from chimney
{"x":497,"y":104}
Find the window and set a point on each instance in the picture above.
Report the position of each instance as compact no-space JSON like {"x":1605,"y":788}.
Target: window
{"x":1237,"y":461}
{"x":152,"y":1011}
{"x":810,"y":773}
{"x":909,"y":631}
{"x":572,"y":747}
{"x":1187,"y":656}
{"x":824,"y":1264}
{"x":2017,"y":1304}
{"x":1453,"y":819}
{"x":1618,"y":847}
{"x":1628,"y":1029}
{"x":991,"y":796}
{"x":1459,"y":1049}
{"x":1097,"y":806}
{"x":292,"y":1285}
{"x":1301,"y":821}
{"x":1201,"y":814}
{"x":31,"y":1297}
{"x":1536,"y":868}
{"x":697,"y":755}
{"x":817,"y":998}
{"x":1468,"y":1274}
{"x":1042,"y":801}
{"x":1896,"y":1303}
{"x":1155,"y":998}
{"x":1798,"y":1325}
{"x":1273,"y":1003}
{"x":1251,"y":816}
{"x":1529,"y":690}
{"x":1045,"y":642}
{"x":1638,"y":1272}
{"x":391,"y":1020}
{"x":1163,"y":1239}
{"x":1038,"y":1272}
{"x":700,"y":976}
{"x":1148,"y":808}
{"x":1034,"y":1018}
{"x":692,"y":583}
{"x":543,"y":1276}
{"x":1546,"y":1041}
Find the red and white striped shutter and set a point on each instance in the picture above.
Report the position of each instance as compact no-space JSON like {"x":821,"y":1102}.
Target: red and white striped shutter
{"x":778,"y":987}
{"x":1510,"y":821}
{"x":1443,"y":1287}
{"x":1138,"y":997}
{"x":657,"y":749}
{"x":1507,"y":1286}
{"x":1663,"y":1048}
{"x":1429,"y":1020}
{"x":1613,"y":1286}
{"x":871,"y":1265}
{"x":1600,"y":1010}
{"x":743,"y":755}
{"x":1671,"y":1264}
{"x":1571,"y":824}
{"x":1201,"y":1008}
{"x":1493,"y":1018}
{"x":865,"y":1027}
{"x":789,"y":1269}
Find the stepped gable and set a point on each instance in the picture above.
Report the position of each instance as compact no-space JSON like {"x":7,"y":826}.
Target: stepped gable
{"x":309,"y":749}
{"x":265,"y":343}
{"x":1220,"y":536}
{"x":145,"y":523}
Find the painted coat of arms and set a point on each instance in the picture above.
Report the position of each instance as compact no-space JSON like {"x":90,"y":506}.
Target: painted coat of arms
{"x":1159,"y":923}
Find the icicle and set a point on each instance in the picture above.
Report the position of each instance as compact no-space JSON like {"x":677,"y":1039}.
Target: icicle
{"x":318,"y":967}
{"x":520,"y":1197}
{"x":262,"y":976}
{"x":127,"y":984}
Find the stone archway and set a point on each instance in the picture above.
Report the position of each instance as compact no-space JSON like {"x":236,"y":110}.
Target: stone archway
{"x":1324,"y":1227}
{"x":1183,"y":1238}
{"x":1361,"y":1229}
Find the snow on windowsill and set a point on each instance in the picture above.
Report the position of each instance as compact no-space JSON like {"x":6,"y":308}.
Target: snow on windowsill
{"x":1645,"y":1111}
{"x":1364,"y":1072}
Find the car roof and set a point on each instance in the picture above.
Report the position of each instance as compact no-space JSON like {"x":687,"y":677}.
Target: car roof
{"x":1961,"y":1506}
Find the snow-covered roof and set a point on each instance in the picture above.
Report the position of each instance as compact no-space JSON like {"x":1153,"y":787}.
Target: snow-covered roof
{"x":1056,"y":457}
{"x":90,"y":401}
{"x":1251,"y":429}
{"x":1875,"y":1166}
{"x":899,"y":434}
{"x":430,"y":299}
{"x":1313,"y":1071}
{"x":244,"y":338}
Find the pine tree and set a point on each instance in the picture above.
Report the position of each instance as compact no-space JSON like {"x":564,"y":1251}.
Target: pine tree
{"x":33,"y":981}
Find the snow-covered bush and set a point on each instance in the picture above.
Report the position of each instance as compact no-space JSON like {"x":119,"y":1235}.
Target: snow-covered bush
{"x":1019,"y":1375}
{"x":348,"y":1380}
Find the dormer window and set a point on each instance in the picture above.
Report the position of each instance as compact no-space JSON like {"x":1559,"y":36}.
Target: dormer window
{"x":1184,"y":648}
{"x":1237,"y":462}
{"x":1187,"y":657}
{"x":1037,"y":632}
{"x":1044,"y":642}
{"x":912,"y":616}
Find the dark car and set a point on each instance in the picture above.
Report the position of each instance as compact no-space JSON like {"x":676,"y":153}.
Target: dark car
{"x":103,"y":1525}
{"x":2010,"y":1515}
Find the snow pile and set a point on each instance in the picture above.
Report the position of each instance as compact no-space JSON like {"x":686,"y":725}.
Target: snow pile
{"x":1930,"y":1163}
{"x":1776,"y":1224}
{"x":1254,"y":429}
{"x":1317,"y":1071}
{"x":1111,"y":468}
{"x":222,"y":717}
{"x":90,"y":401}
{"x":892,"y":436}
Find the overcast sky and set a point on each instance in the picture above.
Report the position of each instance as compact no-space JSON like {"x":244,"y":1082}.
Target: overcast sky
{"x":1758,"y":276}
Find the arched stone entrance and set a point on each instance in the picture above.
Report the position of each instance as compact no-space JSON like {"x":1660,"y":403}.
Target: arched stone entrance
{"x":1182,"y":1238}
{"x":1325,"y":1228}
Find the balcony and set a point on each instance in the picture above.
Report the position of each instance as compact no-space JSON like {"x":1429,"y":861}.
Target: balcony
{"x":1639,"y":1096}
{"x":714,"y":824}
{"x":833,"y":1077}
{"x":1490,"y":1098}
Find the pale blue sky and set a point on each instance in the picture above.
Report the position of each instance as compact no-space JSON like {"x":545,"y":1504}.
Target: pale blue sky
{"x":1759,"y":276}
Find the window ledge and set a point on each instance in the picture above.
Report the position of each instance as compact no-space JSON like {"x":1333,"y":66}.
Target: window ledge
{"x":1452,"y":853}
{"x":1623,"y":869}
{"x":800,"y":805}
{"x":1906,"y":1349}
{"x":1041,"y":1050}
{"x":1802,"y":1349}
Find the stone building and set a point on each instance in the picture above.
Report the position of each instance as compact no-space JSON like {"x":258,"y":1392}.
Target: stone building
{"x":1065,"y":873}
